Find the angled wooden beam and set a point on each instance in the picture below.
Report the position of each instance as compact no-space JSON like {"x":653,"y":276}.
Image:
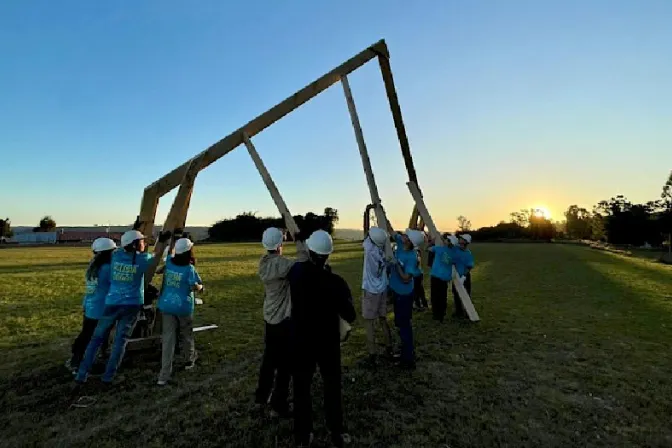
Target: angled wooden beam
{"x":176,"y":216}
{"x":148,"y":207}
{"x":228,"y":143}
{"x":381,"y":217}
{"x":273,"y":190}
{"x":434,"y":232}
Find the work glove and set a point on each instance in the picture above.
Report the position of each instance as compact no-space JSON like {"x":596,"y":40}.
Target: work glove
{"x":165,"y":236}
{"x":463,"y":278}
{"x":137,"y":223}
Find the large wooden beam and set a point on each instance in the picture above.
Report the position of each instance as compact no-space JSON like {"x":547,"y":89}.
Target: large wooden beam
{"x":273,"y":190}
{"x":176,"y":216}
{"x":434,"y":232}
{"x":148,"y":207}
{"x":228,"y":143}
{"x":381,"y":217}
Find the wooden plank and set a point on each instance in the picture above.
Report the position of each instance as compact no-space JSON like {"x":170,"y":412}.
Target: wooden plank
{"x":228,"y":143}
{"x":148,"y":207}
{"x":273,"y":190}
{"x":434,"y":232}
{"x":381,"y":217}
{"x":395,"y":108}
{"x":175,"y":215}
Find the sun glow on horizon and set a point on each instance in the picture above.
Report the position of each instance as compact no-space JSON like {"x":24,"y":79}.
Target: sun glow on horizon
{"x":542,"y":211}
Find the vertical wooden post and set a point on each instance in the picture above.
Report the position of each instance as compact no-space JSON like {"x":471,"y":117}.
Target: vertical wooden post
{"x":434,"y":232}
{"x":176,"y":215}
{"x":273,"y":190}
{"x":381,"y":217}
{"x":148,"y":206}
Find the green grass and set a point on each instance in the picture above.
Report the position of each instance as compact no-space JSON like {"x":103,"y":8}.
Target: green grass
{"x":572,"y":350}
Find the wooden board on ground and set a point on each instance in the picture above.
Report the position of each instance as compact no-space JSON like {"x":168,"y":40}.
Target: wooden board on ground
{"x":434,"y":232}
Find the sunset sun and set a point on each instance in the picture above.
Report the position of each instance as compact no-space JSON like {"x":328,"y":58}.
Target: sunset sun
{"x":541,"y":211}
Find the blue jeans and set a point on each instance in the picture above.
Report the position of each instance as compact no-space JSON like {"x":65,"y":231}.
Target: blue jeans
{"x":403,"y":312}
{"x":125,"y":316}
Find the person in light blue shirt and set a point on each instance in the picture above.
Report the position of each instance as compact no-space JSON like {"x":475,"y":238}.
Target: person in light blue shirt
{"x":440,"y":276}
{"x":402,"y":270}
{"x":176,"y":303}
{"x":122,"y":303}
{"x":464,"y":263}
{"x":97,"y":285}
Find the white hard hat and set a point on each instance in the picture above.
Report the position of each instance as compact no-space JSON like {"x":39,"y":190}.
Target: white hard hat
{"x":272,"y":238}
{"x":466,"y":237}
{"x":183,"y":245}
{"x":378,"y":236}
{"x":131,"y":236}
{"x":103,"y":244}
{"x":320,"y":242}
{"x":416,"y":237}
{"x":453,"y":239}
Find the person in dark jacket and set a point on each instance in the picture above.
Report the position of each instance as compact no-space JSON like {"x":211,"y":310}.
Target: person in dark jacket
{"x":320,"y":299}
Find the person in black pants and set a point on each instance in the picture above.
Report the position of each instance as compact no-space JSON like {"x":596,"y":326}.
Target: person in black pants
{"x":319,"y":300}
{"x":440,"y":276}
{"x":464,"y":263}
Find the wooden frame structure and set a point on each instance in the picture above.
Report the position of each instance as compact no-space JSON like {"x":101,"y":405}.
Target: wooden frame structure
{"x":184,"y":175}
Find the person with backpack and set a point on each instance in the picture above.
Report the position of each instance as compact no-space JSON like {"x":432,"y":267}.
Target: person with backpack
{"x":97,"y":285}
{"x":374,"y":292}
{"x":176,"y":303}
{"x":275,"y":365}
{"x":440,"y":275}
{"x":464,"y":263}
{"x":320,"y":299}
{"x":123,"y":302}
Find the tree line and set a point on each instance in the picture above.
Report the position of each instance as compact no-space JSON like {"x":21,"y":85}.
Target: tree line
{"x":616,"y":221}
{"x":249,"y":227}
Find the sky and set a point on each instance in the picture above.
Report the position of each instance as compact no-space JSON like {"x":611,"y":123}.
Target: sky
{"x":507,"y":105}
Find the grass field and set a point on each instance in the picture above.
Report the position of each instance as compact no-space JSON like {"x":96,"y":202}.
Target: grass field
{"x":572,"y":350}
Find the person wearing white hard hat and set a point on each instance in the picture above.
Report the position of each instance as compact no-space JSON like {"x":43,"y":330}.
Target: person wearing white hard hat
{"x":275,"y":365}
{"x":417,"y":237}
{"x":464,"y":263}
{"x":176,"y":302}
{"x":440,"y":276}
{"x":97,"y":279}
{"x":374,"y":291}
{"x":320,"y":299}
{"x":122,"y":303}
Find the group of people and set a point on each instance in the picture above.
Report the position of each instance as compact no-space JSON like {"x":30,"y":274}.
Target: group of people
{"x":305,"y":307}
{"x":401,"y":277}
{"x":304,"y":302}
{"x":115,"y":294}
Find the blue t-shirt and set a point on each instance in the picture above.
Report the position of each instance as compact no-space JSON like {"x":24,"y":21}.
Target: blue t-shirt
{"x":442,"y":266}
{"x":409,"y":262}
{"x":402,"y":254}
{"x":177,"y":295}
{"x":128,"y":279}
{"x":96,"y":291}
{"x":464,"y":261}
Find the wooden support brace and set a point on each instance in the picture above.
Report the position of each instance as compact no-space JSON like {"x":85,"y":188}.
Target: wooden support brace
{"x":176,"y":216}
{"x":273,"y":190}
{"x":434,"y":232}
{"x":381,"y":217}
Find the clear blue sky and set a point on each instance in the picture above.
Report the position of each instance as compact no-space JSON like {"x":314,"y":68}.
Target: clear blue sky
{"x":507,"y":104}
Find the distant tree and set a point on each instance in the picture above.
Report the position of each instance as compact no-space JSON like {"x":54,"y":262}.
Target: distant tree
{"x":248,"y":226}
{"x":47,"y":224}
{"x":540,"y":227}
{"x":521,"y":218}
{"x":666,"y":211}
{"x":463,"y":224}
{"x":579,"y":223}
{"x":6,"y":228}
